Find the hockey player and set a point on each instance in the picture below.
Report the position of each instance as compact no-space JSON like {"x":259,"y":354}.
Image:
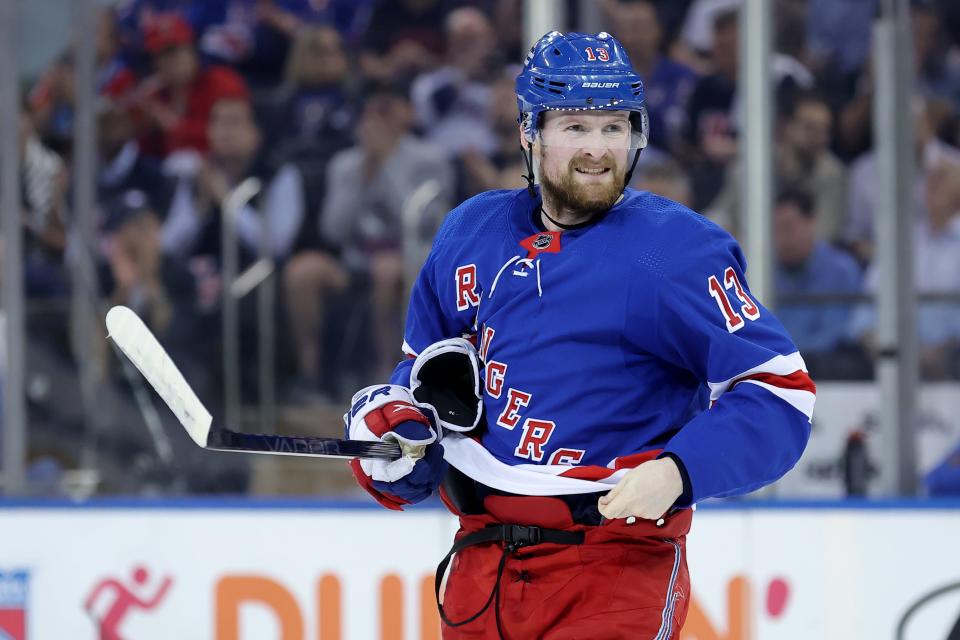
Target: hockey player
{"x":623,"y":373}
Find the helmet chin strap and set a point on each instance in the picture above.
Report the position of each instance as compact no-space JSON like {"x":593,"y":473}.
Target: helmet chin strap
{"x":566,"y":227}
{"x":633,"y":165}
{"x":527,"y":153}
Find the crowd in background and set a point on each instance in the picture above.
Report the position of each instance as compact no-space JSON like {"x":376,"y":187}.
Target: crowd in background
{"x":345,"y":109}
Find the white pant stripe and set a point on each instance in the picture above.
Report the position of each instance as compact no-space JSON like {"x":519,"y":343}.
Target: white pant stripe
{"x":666,"y":618}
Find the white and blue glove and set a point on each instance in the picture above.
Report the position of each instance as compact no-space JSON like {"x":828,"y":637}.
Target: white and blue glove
{"x":390,"y":413}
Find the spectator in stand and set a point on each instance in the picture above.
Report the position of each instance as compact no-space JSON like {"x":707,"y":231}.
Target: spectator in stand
{"x":938,"y":271}
{"x":309,"y":115}
{"x":122,"y":167}
{"x":666,"y":84}
{"x":936,"y":79}
{"x":52,"y":97}
{"x":43,"y":187}
{"x":234,"y":32}
{"x":930,"y":152}
{"x":806,"y":264}
{"x":696,"y":46}
{"x":504,"y":166}
{"x":176,"y":101}
{"x":803,"y":159}
{"x":254,"y":36}
{"x":712,"y":124}
{"x":310,"y":119}
{"x":195,"y":217}
{"x":132,"y":17}
{"x":711,"y":128}
{"x":452,"y":104}
{"x":368,"y":187}
{"x":192,"y":232}
{"x":671,"y":15}
{"x":936,"y":264}
{"x":138,"y":275}
{"x":403,"y":39}
{"x":51,"y":103}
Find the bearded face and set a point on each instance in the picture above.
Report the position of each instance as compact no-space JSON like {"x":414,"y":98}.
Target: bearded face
{"x":583,"y":159}
{"x":585,"y":185}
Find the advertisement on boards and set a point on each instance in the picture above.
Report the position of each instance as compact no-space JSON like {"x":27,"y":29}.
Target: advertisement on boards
{"x":784,"y":574}
{"x":257,"y":574}
{"x":365,"y":574}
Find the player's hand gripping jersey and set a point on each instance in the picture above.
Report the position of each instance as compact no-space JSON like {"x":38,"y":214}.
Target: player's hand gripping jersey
{"x":604,"y":346}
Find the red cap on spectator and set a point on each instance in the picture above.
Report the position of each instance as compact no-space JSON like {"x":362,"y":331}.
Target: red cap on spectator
{"x":116,"y":93}
{"x":166,"y":30}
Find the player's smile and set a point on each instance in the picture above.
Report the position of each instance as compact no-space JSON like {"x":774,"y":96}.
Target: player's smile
{"x":586,"y":175}
{"x":592,"y":174}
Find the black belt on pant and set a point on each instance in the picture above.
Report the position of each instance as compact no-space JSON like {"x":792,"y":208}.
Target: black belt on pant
{"x":515,"y":536}
{"x":467,"y":496}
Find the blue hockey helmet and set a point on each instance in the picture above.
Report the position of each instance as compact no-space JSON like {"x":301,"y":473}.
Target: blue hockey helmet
{"x":578,"y":71}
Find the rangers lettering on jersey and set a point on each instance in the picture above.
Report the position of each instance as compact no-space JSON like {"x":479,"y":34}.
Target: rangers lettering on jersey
{"x":566,"y":456}
{"x":467,"y":295}
{"x":535,"y":436}
{"x":516,"y":399}
{"x":495,"y":373}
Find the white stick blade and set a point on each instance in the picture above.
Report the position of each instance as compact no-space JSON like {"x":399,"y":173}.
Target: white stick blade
{"x":137,"y":342}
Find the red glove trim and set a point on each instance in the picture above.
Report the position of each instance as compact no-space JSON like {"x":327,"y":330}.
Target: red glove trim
{"x":383,"y":419}
{"x":389,"y":501}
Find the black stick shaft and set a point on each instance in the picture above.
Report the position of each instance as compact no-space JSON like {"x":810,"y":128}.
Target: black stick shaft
{"x":226,"y":440}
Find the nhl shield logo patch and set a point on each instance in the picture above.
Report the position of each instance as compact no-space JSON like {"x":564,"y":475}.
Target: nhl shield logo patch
{"x":543,"y":242}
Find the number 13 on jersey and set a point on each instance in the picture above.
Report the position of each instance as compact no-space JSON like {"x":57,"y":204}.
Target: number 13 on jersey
{"x":748,"y":308}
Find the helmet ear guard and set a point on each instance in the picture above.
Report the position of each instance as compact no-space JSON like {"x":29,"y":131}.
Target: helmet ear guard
{"x":640,"y":121}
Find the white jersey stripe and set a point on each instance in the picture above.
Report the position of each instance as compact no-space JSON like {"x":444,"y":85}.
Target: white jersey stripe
{"x":800,"y":400}
{"x":469,"y":456}
{"x":407,"y":349}
{"x":780,"y":365}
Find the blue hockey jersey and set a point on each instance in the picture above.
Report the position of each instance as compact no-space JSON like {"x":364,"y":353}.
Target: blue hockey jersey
{"x":633,"y":336}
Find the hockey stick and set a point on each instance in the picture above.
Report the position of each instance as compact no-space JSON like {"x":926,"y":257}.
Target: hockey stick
{"x":136,"y":342}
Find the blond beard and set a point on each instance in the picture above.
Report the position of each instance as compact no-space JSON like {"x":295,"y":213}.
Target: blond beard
{"x":583,"y":201}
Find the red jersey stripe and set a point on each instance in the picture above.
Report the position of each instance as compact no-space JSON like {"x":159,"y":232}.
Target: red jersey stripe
{"x":587,"y":473}
{"x":798,"y":380}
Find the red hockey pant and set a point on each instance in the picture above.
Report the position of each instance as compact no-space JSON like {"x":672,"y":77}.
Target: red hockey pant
{"x":625,"y":581}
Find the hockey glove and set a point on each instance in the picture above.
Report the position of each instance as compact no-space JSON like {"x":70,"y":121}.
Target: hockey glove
{"x":390,"y":412}
{"x":446,"y":375}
